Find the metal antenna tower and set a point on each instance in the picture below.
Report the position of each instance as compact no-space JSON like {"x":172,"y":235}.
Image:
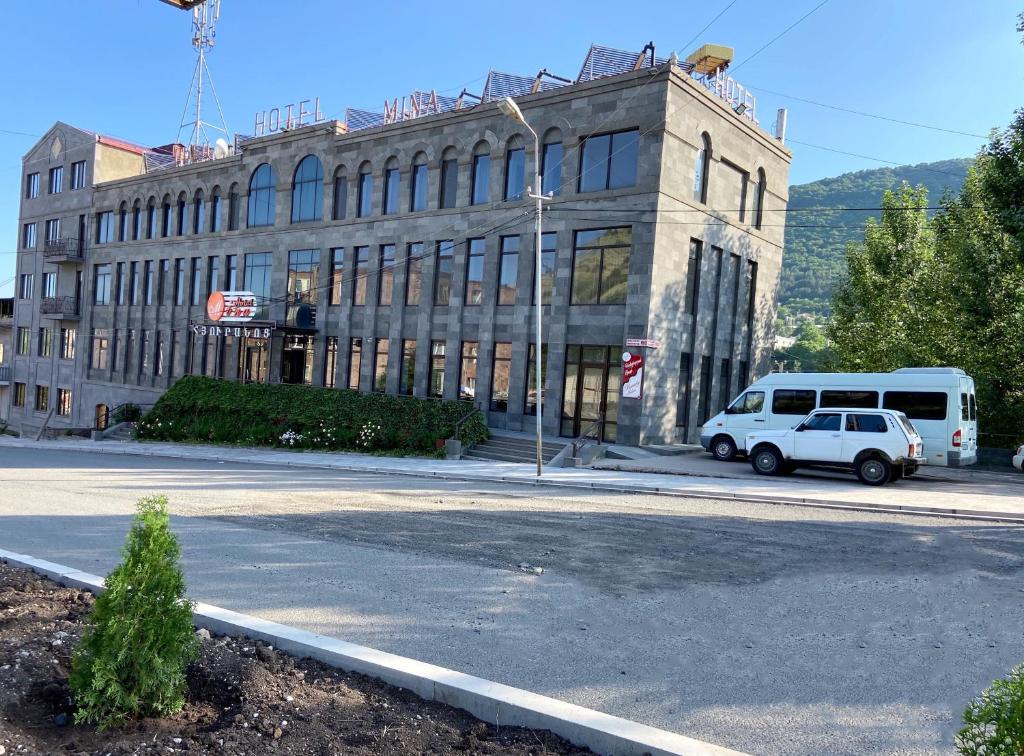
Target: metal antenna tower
{"x":205,"y":14}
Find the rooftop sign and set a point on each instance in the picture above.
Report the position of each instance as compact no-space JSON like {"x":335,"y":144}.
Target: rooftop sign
{"x":290,"y":116}
{"x":739,"y":97}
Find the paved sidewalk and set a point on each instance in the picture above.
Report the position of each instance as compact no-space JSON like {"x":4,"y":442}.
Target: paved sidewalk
{"x":999,"y":499}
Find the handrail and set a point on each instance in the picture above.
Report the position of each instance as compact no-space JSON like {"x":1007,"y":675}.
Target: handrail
{"x":463,"y":420}
{"x":46,"y":422}
{"x":580,"y":441}
{"x":111,"y":411}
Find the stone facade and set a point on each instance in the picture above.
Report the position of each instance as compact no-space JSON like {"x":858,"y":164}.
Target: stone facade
{"x":669,"y":233}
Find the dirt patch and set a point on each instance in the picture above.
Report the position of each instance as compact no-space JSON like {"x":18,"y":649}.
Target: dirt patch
{"x":244,"y":698}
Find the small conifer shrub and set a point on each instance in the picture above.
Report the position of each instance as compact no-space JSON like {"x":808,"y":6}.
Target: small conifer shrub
{"x":132,"y":657}
{"x":994,"y":721}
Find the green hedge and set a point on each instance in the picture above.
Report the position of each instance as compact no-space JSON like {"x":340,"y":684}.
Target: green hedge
{"x":208,"y":410}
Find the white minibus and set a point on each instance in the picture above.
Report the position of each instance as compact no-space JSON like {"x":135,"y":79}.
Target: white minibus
{"x":939,"y":401}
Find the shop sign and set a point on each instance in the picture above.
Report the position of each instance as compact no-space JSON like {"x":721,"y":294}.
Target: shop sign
{"x":632,"y":375}
{"x":246,"y":332}
{"x":415,"y":105}
{"x":649,"y":343}
{"x":231,"y":306}
{"x":294,"y":115}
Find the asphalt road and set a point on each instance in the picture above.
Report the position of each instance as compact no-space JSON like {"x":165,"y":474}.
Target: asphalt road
{"x":766,"y":628}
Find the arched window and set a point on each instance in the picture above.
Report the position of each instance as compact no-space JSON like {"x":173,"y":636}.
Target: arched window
{"x":233,"y":208}
{"x":308,"y":190}
{"x":515,"y":169}
{"x":122,"y":225}
{"x":702,"y":169}
{"x":165,"y":221}
{"x":480,"y":192}
{"x":340,"y":192}
{"x":216,"y":210}
{"x":199,"y":213}
{"x":391,"y":182}
{"x":449,"y":189}
{"x":364,"y":203}
{"x":137,"y":220}
{"x":758,"y":197}
{"x":151,"y":218}
{"x":551,"y":163}
{"x":182,"y":213}
{"x":418,"y":183}
{"x":261,"y":197}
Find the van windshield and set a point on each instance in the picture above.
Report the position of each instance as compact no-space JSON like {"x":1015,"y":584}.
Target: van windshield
{"x":749,"y":403}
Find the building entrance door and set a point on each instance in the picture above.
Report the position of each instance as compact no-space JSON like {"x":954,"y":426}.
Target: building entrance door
{"x":591,"y":388}
{"x":102,"y":416}
{"x":297,"y":360}
{"x":255,"y":366}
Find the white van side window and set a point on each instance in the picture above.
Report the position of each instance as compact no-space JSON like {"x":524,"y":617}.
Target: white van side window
{"x":793,"y":401}
{"x":918,"y":405}
{"x":858,"y":399}
{"x":749,"y":403}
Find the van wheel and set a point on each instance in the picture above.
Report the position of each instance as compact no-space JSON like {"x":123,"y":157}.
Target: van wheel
{"x":767,"y":460}
{"x":874,"y":471}
{"x":723,"y":448}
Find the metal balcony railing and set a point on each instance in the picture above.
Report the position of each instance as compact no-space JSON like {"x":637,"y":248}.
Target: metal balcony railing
{"x":69,"y":247}
{"x":66,"y":306}
{"x":5,"y":373}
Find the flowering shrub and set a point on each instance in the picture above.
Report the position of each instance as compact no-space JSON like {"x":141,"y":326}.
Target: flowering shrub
{"x":207,"y":410}
{"x":994,"y":721}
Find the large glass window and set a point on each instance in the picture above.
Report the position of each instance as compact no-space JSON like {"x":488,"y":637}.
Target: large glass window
{"x":136,"y":221}
{"x":738,"y":179}
{"x":548,"y":258}
{"x":199,"y":214}
{"x":101,"y":283}
{"x":437,"y":358}
{"x":261,"y":197}
{"x":475,"y":271}
{"x":443,"y":272}
{"x":407,"y":380}
{"x":135,"y":282}
{"x":214,"y":280}
{"x":165,"y":218}
{"x":391,"y":187}
{"x":515,"y":173}
{"x":551,"y":167}
{"x":331,"y":362}
{"x":78,"y":174}
{"x":340,"y":195}
{"x":147,"y":283}
{"x":530,"y":407}
{"x":233,"y":203}
{"x":231,"y":282}
{"x":216,"y":212}
{"x":122,"y":283}
{"x":99,"y":355}
{"x":197,"y":281}
{"x":449,"y":182}
{"x":308,"y":190}
{"x":303,"y":278}
{"x":179,"y":281}
{"x":918,"y":405}
{"x":601,"y":265}
{"x":467,"y":371}
{"x":105,"y":227}
{"x":337,"y":271}
{"x":355,"y":361}
{"x":122,"y":222}
{"x":182,"y":214}
{"x":418,"y":186}
{"x":693,"y":277}
{"x":413,"y":273}
{"x":508,"y":270}
{"x":793,"y":401}
{"x":151,"y":219}
{"x":609,"y":161}
{"x":386,"y":275}
{"x":481,"y":190}
{"x":258,"y":269}
{"x":364,"y":207}
{"x":380,"y":365}
{"x":500,"y":376}
{"x":359,"y":275}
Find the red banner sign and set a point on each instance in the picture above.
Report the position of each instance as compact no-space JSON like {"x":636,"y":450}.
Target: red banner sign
{"x":231,"y":306}
{"x":632,"y":375}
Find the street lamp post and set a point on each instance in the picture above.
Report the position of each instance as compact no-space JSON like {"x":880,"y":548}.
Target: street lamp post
{"x":509,"y":107}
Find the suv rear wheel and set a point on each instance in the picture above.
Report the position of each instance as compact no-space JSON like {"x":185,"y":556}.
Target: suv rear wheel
{"x":723,"y":448}
{"x":767,"y":460}
{"x":874,"y":471}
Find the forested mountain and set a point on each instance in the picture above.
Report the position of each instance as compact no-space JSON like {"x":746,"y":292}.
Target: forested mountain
{"x":816,"y":239}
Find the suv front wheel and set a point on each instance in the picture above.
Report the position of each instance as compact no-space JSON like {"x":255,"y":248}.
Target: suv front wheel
{"x":767,"y":460}
{"x":874,"y":471}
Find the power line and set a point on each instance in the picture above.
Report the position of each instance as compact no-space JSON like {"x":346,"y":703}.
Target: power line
{"x":866,"y":157}
{"x":709,"y":25}
{"x":780,"y":35}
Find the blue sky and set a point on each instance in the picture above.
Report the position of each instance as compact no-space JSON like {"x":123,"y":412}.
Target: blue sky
{"x":123,"y":67}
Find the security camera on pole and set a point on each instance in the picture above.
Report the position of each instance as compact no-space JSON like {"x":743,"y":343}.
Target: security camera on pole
{"x":509,"y":108}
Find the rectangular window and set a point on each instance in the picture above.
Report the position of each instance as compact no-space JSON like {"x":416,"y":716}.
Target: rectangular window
{"x":467,"y":371}
{"x":114,"y":341}
{"x":481,"y":189}
{"x":413,"y":273}
{"x":179,"y":281}
{"x":232,"y":273}
{"x":355,"y":359}
{"x":449,"y":183}
{"x":182,"y":217}
{"x":233,"y":204}
{"x":391,"y":182}
{"x":548,"y":259}
{"x":258,"y":269}
{"x":53,"y":230}
{"x":475,"y":271}
{"x":45,"y":345}
{"x":359,"y":274}
{"x":67,"y":343}
{"x":78,"y":174}
{"x":56,"y":179}
{"x":918,"y":405}
{"x":144,"y":353}
{"x":601,"y":265}
{"x":793,"y":401}
{"x":24,"y":342}
{"x":365,"y":204}
{"x":380,"y":365}
{"x":28,"y":236}
{"x":693,"y":277}
{"x":165,"y":222}
{"x":101,"y":281}
{"x":683,"y":393}
{"x":530,"y":407}
{"x":386,"y":275}
{"x":744,"y":375}
{"x":214,"y":265}
{"x":500,"y":375}
{"x":337,"y":270}
{"x":215,"y":213}
{"x":738,"y":179}
{"x":158,"y":355}
{"x":508,"y":270}
{"x":150,"y":221}
{"x":32,"y":186}
{"x":64,"y":402}
{"x":136,"y":223}
{"x":136,"y":283}
{"x":407,"y":380}
{"x":437,"y":357}
{"x":609,"y":161}
{"x":19,"y":395}
{"x":26,"y":282}
{"x":105,"y":227}
{"x":515,"y":173}
{"x":147,"y":283}
{"x":163,"y":278}
{"x":724,"y":381}
{"x":122,"y":284}
{"x":197,"y":281}
{"x":199,"y":216}
{"x":443,"y":272}
{"x":331,"y":362}
{"x":42,"y":398}
{"x":49,"y":284}
{"x":340,"y":197}
{"x":551,"y":169}
{"x":857,"y":399}
{"x":705,"y":388}
{"x":418,"y":189}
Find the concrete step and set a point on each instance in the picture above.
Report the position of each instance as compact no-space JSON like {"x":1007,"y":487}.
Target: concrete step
{"x":517,"y":444}
{"x":482,"y":455}
{"x":506,"y":449}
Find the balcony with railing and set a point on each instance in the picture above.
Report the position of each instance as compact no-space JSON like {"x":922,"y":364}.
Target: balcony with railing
{"x":63,"y":308}
{"x":5,"y":375}
{"x":69,"y":249}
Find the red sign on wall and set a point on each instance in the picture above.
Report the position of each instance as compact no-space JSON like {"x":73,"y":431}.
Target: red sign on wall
{"x":632,"y":375}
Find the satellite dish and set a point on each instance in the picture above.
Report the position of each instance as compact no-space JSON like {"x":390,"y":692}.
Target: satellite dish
{"x":221,"y":148}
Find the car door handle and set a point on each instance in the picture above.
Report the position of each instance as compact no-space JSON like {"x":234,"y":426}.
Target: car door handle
{"x":756,"y":420}
{"x":836,"y":435}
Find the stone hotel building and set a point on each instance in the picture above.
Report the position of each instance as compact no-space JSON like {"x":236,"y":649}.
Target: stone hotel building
{"x":394,"y":252}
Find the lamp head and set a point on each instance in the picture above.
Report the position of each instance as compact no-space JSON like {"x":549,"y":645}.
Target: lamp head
{"x":509,"y":108}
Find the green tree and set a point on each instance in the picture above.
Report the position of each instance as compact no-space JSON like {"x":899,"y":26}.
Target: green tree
{"x":810,"y":352}
{"x":132,"y":658}
{"x":994,"y":721}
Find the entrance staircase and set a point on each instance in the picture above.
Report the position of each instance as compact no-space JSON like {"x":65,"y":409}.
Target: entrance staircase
{"x":121,"y":432}
{"x":513,"y":449}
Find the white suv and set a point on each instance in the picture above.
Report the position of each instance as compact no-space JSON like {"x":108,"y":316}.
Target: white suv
{"x":879,"y":445}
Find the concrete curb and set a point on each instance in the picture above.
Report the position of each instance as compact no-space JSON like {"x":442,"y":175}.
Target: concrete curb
{"x":145,"y":450}
{"x":489,"y":701}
